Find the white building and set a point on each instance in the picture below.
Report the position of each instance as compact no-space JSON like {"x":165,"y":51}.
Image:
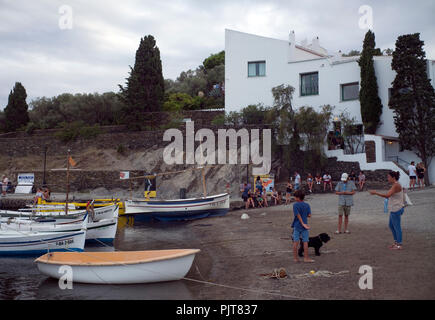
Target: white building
{"x":255,"y":64}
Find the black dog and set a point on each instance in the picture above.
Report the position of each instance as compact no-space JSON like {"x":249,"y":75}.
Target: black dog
{"x":315,"y":242}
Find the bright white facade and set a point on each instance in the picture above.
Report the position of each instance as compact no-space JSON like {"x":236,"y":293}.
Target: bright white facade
{"x":255,"y":64}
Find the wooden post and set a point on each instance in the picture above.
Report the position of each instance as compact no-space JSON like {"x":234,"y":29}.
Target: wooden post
{"x":203,"y":183}
{"x":131,"y":192}
{"x":67,"y":182}
{"x":204,"y":188}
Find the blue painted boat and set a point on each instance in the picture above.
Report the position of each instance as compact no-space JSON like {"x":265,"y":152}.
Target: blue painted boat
{"x":29,"y":243}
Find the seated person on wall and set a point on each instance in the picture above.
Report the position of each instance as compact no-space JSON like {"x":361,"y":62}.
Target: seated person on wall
{"x":245,"y":195}
{"x":260,"y":199}
{"x":318,"y":179}
{"x":254,"y":199}
{"x":275,"y":197}
{"x":327,"y":181}
{"x":264,"y":196}
{"x":250,"y":200}
{"x":361,"y":180}
{"x":310,"y":183}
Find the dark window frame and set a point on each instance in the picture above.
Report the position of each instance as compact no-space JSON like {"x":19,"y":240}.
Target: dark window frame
{"x":315,"y":87}
{"x":257,"y":68}
{"x":342,"y":91}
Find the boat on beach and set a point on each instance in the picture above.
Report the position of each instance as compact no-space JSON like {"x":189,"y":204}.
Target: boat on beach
{"x":103,"y":230}
{"x":120,"y":267}
{"x":180,"y":209}
{"x":44,"y":205}
{"x":29,"y":243}
{"x":105,"y":212}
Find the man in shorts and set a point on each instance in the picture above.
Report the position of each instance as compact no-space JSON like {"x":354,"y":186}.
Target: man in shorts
{"x":345,"y":190}
{"x":297,"y":180}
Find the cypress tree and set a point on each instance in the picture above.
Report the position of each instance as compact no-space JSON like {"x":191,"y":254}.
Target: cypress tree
{"x":15,"y":113}
{"x":145,"y":87}
{"x":371,"y":106}
{"x":413,"y":99}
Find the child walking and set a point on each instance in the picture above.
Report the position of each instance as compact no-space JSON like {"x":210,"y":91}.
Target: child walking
{"x":302,"y":212}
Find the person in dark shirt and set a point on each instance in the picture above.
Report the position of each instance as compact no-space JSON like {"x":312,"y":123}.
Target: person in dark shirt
{"x":301,"y":212}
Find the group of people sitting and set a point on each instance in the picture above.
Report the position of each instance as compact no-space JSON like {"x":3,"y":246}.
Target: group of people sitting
{"x":325,"y":180}
{"x":258,"y":197}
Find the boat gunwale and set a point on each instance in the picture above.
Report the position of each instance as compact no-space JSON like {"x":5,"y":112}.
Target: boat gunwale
{"x":180,"y":254}
{"x":164,"y":201}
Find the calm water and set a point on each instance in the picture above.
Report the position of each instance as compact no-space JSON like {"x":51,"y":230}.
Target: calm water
{"x":21,"y":279}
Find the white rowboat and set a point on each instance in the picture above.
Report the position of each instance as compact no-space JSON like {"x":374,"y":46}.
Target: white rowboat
{"x":180,"y":209}
{"x":106,"y":212}
{"x":36,"y":243}
{"x":120,"y":267}
{"x":102,"y":230}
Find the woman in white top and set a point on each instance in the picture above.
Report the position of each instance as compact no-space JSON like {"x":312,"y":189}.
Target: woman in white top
{"x":396,"y":206}
{"x":327,"y":180}
{"x":5,"y":182}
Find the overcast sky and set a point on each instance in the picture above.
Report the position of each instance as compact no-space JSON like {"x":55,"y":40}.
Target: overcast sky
{"x":94,"y":56}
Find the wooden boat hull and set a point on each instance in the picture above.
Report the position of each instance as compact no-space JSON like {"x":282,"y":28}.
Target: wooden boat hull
{"x":105,"y":212}
{"x":103,"y":230}
{"x":37,"y":243}
{"x":106,"y":268}
{"x":98,"y":203}
{"x":180,"y":209}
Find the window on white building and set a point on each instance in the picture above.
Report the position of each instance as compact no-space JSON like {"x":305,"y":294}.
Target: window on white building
{"x":349,"y":91}
{"x":257,"y":69}
{"x":309,"y":83}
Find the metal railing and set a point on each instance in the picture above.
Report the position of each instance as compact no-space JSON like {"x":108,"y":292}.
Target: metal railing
{"x":398,"y":160}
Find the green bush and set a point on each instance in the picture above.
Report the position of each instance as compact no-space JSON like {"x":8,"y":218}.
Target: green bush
{"x":218,"y":120}
{"x":30,"y":127}
{"x":77,"y":129}
{"x":89,"y":132}
{"x":121,"y":149}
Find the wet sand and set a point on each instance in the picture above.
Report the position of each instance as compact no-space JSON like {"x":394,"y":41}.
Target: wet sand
{"x":235,"y":252}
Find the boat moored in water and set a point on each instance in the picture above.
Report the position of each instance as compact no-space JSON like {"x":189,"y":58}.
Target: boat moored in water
{"x":15,"y":243}
{"x":180,"y":209}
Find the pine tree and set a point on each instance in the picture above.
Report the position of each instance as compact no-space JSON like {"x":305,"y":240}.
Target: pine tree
{"x":413,"y":99}
{"x":145,"y":86}
{"x":371,"y":106}
{"x":15,"y":113}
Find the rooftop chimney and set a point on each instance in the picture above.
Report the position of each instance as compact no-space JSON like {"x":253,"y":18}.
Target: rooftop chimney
{"x":315,"y":44}
{"x":292,"y":46}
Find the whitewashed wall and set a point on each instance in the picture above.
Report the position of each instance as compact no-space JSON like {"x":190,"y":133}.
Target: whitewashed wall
{"x":284,"y":66}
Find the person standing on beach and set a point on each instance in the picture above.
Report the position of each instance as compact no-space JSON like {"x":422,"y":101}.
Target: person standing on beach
{"x":412,"y":170}
{"x":5,"y":182}
{"x":288,"y":193}
{"x":297,"y":181}
{"x":420,"y":175}
{"x":245,"y":195}
{"x":301,"y":212}
{"x":345,"y":190}
{"x":396,"y":206}
{"x":361,"y":180}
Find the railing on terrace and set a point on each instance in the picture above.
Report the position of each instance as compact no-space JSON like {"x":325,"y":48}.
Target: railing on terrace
{"x":398,"y":160}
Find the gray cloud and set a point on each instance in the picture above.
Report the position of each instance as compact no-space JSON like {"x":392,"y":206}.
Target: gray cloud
{"x":95,"y":55}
